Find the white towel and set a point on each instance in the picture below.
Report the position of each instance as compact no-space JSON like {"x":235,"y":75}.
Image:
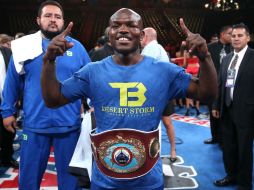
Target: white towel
{"x":82,"y":156}
{"x":25,"y":48}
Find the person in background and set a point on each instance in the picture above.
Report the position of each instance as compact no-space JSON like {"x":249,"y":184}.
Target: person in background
{"x":214,"y":38}
{"x":234,"y":106}
{"x":5,"y":40}
{"x":43,"y":127}
{"x":218,"y":51}
{"x":99,"y":43}
{"x":6,"y":137}
{"x":104,"y":51}
{"x":129,"y":93}
{"x":191,"y":65}
{"x":178,"y":56}
{"x":152,"y":48}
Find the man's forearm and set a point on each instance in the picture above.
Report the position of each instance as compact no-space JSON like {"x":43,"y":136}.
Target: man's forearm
{"x":208,"y":79}
{"x":49,"y":84}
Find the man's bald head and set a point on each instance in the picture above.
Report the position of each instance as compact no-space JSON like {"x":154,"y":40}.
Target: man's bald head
{"x":125,"y":31}
{"x":134,"y":16}
{"x":150,"y":34}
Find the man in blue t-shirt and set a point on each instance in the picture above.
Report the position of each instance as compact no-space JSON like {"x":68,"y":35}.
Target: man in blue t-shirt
{"x":124,"y":89}
{"x":43,"y":127}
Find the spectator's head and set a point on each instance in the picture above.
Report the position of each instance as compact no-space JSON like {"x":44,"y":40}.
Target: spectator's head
{"x":50,"y":19}
{"x":106,"y":38}
{"x":214,"y":38}
{"x":225,"y":34}
{"x":150,"y":34}
{"x":240,"y":36}
{"x":5,"y":40}
{"x":101,"y":41}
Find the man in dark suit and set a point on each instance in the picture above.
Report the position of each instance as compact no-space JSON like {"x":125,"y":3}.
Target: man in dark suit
{"x":6,"y":138}
{"x":235,"y":107}
{"x":218,"y":50}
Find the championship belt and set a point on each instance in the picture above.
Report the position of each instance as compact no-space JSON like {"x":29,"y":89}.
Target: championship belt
{"x":125,"y":153}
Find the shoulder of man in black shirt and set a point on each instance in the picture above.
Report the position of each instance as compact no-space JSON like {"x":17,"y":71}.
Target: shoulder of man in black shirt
{"x":103,"y":52}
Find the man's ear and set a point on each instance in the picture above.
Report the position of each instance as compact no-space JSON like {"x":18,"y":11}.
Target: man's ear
{"x":248,"y":39}
{"x":38,"y":20}
{"x":142,"y":35}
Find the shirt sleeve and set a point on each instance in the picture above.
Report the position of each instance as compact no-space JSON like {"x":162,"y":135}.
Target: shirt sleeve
{"x":180,"y":83}
{"x":11,"y":91}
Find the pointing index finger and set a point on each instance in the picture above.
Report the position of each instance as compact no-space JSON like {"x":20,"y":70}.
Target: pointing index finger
{"x":184,"y":28}
{"x":67,"y":30}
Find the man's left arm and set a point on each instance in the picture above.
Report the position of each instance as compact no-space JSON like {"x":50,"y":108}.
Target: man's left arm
{"x":204,"y":88}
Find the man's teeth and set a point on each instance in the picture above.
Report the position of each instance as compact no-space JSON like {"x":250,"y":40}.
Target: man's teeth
{"x":123,"y":39}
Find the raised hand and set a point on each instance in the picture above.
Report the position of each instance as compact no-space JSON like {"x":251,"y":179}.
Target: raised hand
{"x":195,"y":43}
{"x":59,"y":45}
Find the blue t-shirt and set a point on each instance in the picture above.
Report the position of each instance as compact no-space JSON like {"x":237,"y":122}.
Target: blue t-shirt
{"x":128,"y":97}
{"x":37,"y":116}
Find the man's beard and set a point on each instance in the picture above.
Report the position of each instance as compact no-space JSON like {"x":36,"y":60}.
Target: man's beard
{"x":49,"y":34}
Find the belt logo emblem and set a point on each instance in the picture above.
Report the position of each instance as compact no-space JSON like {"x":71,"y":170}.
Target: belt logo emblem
{"x":122,"y":156}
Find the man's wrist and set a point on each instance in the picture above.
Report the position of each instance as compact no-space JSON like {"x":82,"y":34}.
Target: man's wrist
{"x":50,"y":62}
{"x":204,"y":56}
{"x":49,"y":59}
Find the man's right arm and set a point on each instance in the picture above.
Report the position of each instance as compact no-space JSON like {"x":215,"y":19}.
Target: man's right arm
{"x":51,"y":87}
